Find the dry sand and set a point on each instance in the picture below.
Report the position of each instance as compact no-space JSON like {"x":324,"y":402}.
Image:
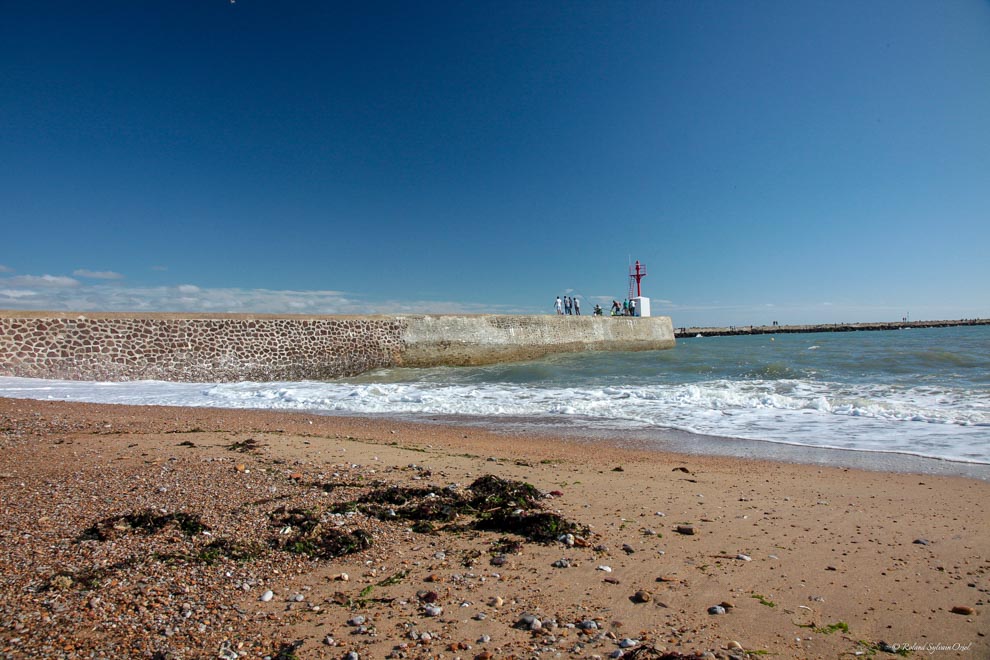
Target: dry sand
{"x":841,"y":562}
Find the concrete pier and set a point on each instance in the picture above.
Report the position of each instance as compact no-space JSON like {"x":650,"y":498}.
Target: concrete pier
{"x":827,"y":327}
{"x":236,"y":347}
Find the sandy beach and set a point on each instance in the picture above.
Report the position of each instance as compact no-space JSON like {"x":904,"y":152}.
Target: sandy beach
{"x":200,"y":533}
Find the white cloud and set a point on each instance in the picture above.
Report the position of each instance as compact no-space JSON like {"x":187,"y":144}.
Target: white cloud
{"x":59,"y":293}
{"x":43,"y":293}
{"x":98,"y":274}
{"x":17,"y":293}
{"x":6,"y":269}
{"x":56,"y":281}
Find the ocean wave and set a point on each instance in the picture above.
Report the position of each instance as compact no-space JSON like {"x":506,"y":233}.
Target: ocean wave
{"x":934,"y":421}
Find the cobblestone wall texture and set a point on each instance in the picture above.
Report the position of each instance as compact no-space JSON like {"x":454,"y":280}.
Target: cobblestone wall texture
{"x":196,"y":350}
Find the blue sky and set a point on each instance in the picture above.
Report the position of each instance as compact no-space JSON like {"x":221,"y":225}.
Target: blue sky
{"x":790,"y":161}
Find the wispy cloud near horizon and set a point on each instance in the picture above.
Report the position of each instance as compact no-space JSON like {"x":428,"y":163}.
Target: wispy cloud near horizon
{"x":43,"y":281}
{"x":97,"y":274}
{"x":60,"y":293}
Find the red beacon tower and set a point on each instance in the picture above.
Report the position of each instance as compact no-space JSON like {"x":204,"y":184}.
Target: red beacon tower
{"x":636,"y":275}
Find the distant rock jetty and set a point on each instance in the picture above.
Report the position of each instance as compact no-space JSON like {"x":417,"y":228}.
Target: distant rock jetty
{"x":682,"y":333}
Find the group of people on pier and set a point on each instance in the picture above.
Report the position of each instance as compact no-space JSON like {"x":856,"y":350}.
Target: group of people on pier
{"x":627,"y":308}
{"x":568,"y":306}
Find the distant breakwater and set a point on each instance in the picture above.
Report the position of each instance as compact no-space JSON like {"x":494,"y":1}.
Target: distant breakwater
{"x":242,"y":347}
{"x":682,"y":333}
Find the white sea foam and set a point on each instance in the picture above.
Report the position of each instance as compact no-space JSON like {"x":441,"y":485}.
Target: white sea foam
{"x":927,"y":421}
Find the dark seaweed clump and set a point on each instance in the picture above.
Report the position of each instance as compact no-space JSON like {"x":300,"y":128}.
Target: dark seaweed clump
{"x":303,"y":532}
{"x":491,"y":504}
{"x":541,"y":527}
{"x":649,"y":653}
{"x":227,"y":549}
{"x":244,"y":446}
{"x":143,"y":522}
{"x":491,"y":492}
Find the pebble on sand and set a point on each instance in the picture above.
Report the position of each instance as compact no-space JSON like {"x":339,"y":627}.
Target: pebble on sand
{"x":529,"y":622}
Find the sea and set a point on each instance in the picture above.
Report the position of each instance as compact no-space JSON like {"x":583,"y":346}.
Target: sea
{"x":913,"y":400}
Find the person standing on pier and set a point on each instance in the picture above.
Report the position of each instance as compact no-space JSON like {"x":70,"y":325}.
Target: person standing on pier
{"x":567,"y":305}
{"x":577,"y":307}
{"x":558,"y":306}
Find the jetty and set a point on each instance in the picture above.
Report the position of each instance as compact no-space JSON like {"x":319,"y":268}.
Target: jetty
{"x":120,"y":346}
{"x":684,"y":333}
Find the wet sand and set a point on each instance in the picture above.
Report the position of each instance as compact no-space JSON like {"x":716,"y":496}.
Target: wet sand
{"x":136,"y":531}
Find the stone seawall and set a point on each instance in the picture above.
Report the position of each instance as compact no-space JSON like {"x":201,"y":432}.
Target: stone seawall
{"x":473,"y":340}
{"x":229,"y":347}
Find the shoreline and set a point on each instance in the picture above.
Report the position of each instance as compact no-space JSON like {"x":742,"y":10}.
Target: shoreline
{"x":655,"y":439}
{"x":687,"y":443}
{"x":804,"y":560}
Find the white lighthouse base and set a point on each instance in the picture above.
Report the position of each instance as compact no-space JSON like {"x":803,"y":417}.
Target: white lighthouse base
{"x":642,"y":306}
